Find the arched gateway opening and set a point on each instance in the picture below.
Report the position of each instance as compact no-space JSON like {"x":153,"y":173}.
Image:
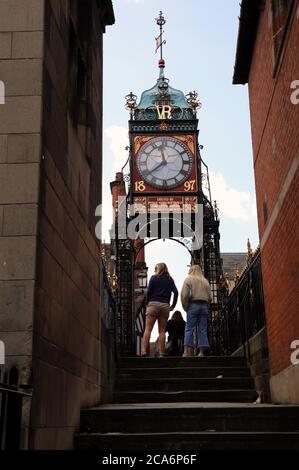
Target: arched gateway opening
{"x":134,"y":231}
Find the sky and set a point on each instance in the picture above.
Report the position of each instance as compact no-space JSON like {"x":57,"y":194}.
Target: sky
{"x":201,"y":38}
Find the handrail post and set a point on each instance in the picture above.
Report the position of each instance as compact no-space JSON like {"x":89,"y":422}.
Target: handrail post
{"x":13,"y":424}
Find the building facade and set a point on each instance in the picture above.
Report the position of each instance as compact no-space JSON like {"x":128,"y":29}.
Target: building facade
{"x":268,"y":60}
{"x":50,"y":172}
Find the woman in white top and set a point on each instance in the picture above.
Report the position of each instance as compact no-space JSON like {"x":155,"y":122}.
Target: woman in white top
{"x":195,"y":297}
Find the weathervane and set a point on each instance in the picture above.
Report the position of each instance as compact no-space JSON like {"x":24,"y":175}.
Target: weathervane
{"x":159,"y":40}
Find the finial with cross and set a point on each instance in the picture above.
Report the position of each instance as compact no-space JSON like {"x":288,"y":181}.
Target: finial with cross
{"x":159,"y":40}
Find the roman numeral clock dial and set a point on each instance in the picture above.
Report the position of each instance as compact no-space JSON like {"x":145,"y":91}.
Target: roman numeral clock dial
{"x":164,"y":162}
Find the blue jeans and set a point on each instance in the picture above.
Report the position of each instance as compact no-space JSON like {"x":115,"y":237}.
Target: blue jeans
{"x":197,"y":316}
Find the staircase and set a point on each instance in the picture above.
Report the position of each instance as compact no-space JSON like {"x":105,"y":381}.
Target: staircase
{"x":176,"y":403}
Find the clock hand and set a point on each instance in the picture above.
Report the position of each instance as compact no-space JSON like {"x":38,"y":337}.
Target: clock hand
{"x":163,"y":156}
{"x":158,"y":166}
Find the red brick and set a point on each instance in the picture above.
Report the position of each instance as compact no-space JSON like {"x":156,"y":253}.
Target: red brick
{"x":273,"y":114}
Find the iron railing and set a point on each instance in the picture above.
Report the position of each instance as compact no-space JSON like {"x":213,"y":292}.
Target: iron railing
{"x":109,"y":314}
{"x":140,"y":326}
{"x":242,"y":315}
{"x":11,"y":406}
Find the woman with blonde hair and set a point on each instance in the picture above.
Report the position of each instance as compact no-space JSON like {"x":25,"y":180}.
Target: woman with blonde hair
{"x":195,"y":297}
{"x":160,"y":288}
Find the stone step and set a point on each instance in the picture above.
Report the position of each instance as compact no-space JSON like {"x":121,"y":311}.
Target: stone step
{"x":176,"y":384}
{"x":237,"y":395}
{"x":208,"y":361}
{"x":180,"y":372}
{"x":187,"y":417}
{"x":196,"y":441}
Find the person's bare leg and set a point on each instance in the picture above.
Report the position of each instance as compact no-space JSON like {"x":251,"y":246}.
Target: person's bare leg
{"x":149,"y":324}
{"x":162,"y":321}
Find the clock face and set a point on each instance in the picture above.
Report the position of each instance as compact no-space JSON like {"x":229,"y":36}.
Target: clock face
{"x":164,"y":162}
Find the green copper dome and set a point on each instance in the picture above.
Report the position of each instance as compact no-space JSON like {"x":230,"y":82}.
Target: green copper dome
{"x":149,"y":97}
{"x":163,"y":94}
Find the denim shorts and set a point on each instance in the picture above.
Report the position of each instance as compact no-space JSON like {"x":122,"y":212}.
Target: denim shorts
{"x":157,"y":309}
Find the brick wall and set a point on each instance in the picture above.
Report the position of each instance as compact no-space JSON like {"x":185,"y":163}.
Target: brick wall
{"x":275,"y":132}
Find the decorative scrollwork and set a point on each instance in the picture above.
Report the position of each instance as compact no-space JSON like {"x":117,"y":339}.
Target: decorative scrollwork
{"x":127,"y":178}
{"x":193,"y":101}
{"x":216,"y":210}
{"x":131,"y":103}
{"x":187,"y":241}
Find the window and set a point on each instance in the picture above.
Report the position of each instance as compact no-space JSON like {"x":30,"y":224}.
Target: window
{"x":79,"y":36}
{"x":280,"y":15}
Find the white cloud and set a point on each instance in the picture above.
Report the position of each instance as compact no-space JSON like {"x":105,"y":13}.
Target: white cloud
{"x":119,"y":139}
{"x":232,"y":203}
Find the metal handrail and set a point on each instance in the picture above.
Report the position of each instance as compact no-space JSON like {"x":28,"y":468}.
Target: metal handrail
{"x":4,"y":388}
{"x":242,"y":315}
{"x":112,"y":325}
{"x":139,"y":334}
{"x":11,"y":404}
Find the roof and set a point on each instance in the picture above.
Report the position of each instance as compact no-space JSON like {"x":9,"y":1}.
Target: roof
{"x":249,"y":20}
{"x":232,"y":262}
{"x":149,"y":97}
{"x":163,"y":92}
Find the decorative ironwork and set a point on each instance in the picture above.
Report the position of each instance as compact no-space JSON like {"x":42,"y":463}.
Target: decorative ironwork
{"x":110,"y":289}
{"x":128,"y":149}
{"x":193,"y":101}
{"x":249,"y":252}
{"x":209,"y":257}
{"x":125,"y":313}
{"x":164,"y":126}
{"x":159,"y":40}
{"x":237,"y":276}
{"x":127,"y":178}
{"x":139,"y":326}
{"x":216,"y":210}
{"x":163,"y":90}
{"x":242,"y":315}
{"x":131,"y":103}
{"x":160,"y":20}
{"x":186,"y":242}
{"x":150,"y":127}
{"x":225,"y":282}
{"x":12,"y":397}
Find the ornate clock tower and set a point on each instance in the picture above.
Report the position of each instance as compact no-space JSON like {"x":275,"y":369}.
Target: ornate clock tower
{"x":165,"y":168}
{"x":167,"y":172}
